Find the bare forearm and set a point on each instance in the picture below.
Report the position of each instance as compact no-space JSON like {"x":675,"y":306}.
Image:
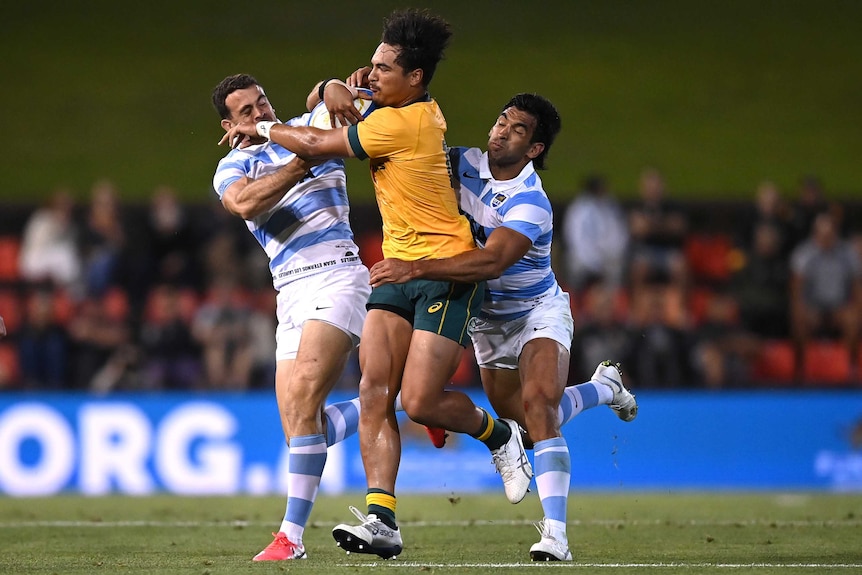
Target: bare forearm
{"x":475,"y":265}
{"x":307,"y":142}
{"x":260,"y":195}
{"x":503,"y":249}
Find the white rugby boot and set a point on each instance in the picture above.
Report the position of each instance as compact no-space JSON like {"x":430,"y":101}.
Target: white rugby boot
{"x":370,"y":536}
{"x":512,"y":464}
{"x":549,"y":548}
{"x":623,"y":403}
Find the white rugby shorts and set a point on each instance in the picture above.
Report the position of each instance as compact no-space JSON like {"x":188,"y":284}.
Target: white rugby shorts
{"x":498,"y":344}
{"x":336,"y":296}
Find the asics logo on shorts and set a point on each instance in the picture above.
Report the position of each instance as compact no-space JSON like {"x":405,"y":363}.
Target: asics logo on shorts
{"x":434,"y":308}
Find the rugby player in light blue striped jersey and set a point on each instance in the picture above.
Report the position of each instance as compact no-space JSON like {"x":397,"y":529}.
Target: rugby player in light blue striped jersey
{"x":298,"y":212}
{"x":523,"y":335}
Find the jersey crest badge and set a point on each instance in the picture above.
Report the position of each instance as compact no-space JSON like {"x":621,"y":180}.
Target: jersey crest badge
{"x":498,"y":200}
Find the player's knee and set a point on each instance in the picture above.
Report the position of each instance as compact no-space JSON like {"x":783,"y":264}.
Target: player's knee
{"x":417,"y":408}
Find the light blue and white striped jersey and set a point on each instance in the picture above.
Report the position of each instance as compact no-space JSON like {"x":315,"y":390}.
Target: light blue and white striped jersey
{"x":308,"y":230}
{"x":521,"y":205}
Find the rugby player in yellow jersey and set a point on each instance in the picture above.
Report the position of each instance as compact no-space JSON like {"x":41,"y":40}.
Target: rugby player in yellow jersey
{"x":414,"y":332}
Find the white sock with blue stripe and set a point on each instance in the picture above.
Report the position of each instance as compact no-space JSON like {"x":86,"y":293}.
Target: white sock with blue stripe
{"x":578,"y":398}
{"x":553,"y":468}
{"x":342,"y":420}
{"x":305,"y":467}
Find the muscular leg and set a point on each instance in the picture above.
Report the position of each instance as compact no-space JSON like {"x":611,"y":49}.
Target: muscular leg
{"x":302,"y":385}
{"x":544,"y":367}
{"x":430,"y":365}
{"x":385,"y":342}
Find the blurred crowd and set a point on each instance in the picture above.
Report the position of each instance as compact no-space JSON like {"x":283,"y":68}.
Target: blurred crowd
{"x":774,"y":298}
{"x":101,"y":297}
{"x":105,"y":299}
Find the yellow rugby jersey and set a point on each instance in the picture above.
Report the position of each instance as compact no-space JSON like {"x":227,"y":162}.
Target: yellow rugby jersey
{"x":406,"y":149}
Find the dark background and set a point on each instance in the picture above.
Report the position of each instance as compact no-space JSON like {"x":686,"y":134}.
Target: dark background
{"x":718,"y":95}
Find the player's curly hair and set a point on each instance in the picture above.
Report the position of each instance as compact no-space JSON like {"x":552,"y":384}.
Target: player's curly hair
{"x":422,"y":37}
{"x":548,"y":122}
{"x":224,"y":89}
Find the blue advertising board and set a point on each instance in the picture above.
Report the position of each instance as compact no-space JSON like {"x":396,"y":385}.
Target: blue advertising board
{"x":231,"y":444}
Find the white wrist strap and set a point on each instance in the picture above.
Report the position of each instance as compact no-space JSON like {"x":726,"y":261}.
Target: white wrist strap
{"x":263,"y":128}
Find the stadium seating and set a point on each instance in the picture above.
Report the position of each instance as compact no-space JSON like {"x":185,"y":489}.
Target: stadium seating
{"x":709,"y":256}
{"x":370,"y":247}
{"x":11,"y":309}
{"x":10,"y":247}
{"x":826,"y":363}
{"x":775,"y":364}
{"x":9,"y":368}
{"x":467,"y":373}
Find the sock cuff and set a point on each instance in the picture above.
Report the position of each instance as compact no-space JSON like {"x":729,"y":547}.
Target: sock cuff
{"x":381,"y":498}
{"x":487,"y":426}
{"x":306,"y":440}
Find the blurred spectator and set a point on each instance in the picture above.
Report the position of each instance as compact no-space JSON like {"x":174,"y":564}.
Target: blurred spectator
{"x":101,"y":350}
{"x":49,"y":245}
{"x":263,"y":324}
{"x":42,"y":345}
{"x":601,"y":333}
{"x":723,"y":349}
{"x":170,"y":355}
{"x":596,"y":237}
{"x":659,"y":346}
{"x":761,"y":284}
{"x":810,"y":202}
{"x":172,"y":242}
{"x":103,"y":238}
{"x":222,"y":327}
{"x":826,"y":288}
{"x":2,"y":327}
{"x":229,"y":250}
{"x":658,"y":229}
{"x":768,"y":208}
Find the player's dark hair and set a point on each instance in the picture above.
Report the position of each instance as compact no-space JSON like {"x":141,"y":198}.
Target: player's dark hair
{"x":547,"y":121}
{"x":422,"y":38}
{"x":224,"y":89}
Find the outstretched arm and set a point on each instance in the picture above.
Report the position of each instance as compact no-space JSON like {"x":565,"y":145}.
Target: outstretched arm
{"x":503,"y":248}
{"x":305,"y":141}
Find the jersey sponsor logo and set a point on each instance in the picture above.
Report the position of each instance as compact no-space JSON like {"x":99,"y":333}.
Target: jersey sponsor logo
{"x":309,"y":267}
{"x":434,"y":308}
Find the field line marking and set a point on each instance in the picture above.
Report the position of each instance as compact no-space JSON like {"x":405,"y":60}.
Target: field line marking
{"x":575,"y":565}
{"x":454,"y":523}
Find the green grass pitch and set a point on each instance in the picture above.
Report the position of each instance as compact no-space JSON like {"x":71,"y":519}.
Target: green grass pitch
{"x":763,"y":533}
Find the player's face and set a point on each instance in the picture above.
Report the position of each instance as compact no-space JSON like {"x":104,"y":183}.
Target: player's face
{"x":249,"y":105}
{"x":390,"y":84}
{"x":509,"y":140}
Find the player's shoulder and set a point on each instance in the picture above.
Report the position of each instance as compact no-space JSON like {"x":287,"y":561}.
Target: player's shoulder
{"x":473,"y":154}
{"x":469,"y":158}
{"x":529,"y":191}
